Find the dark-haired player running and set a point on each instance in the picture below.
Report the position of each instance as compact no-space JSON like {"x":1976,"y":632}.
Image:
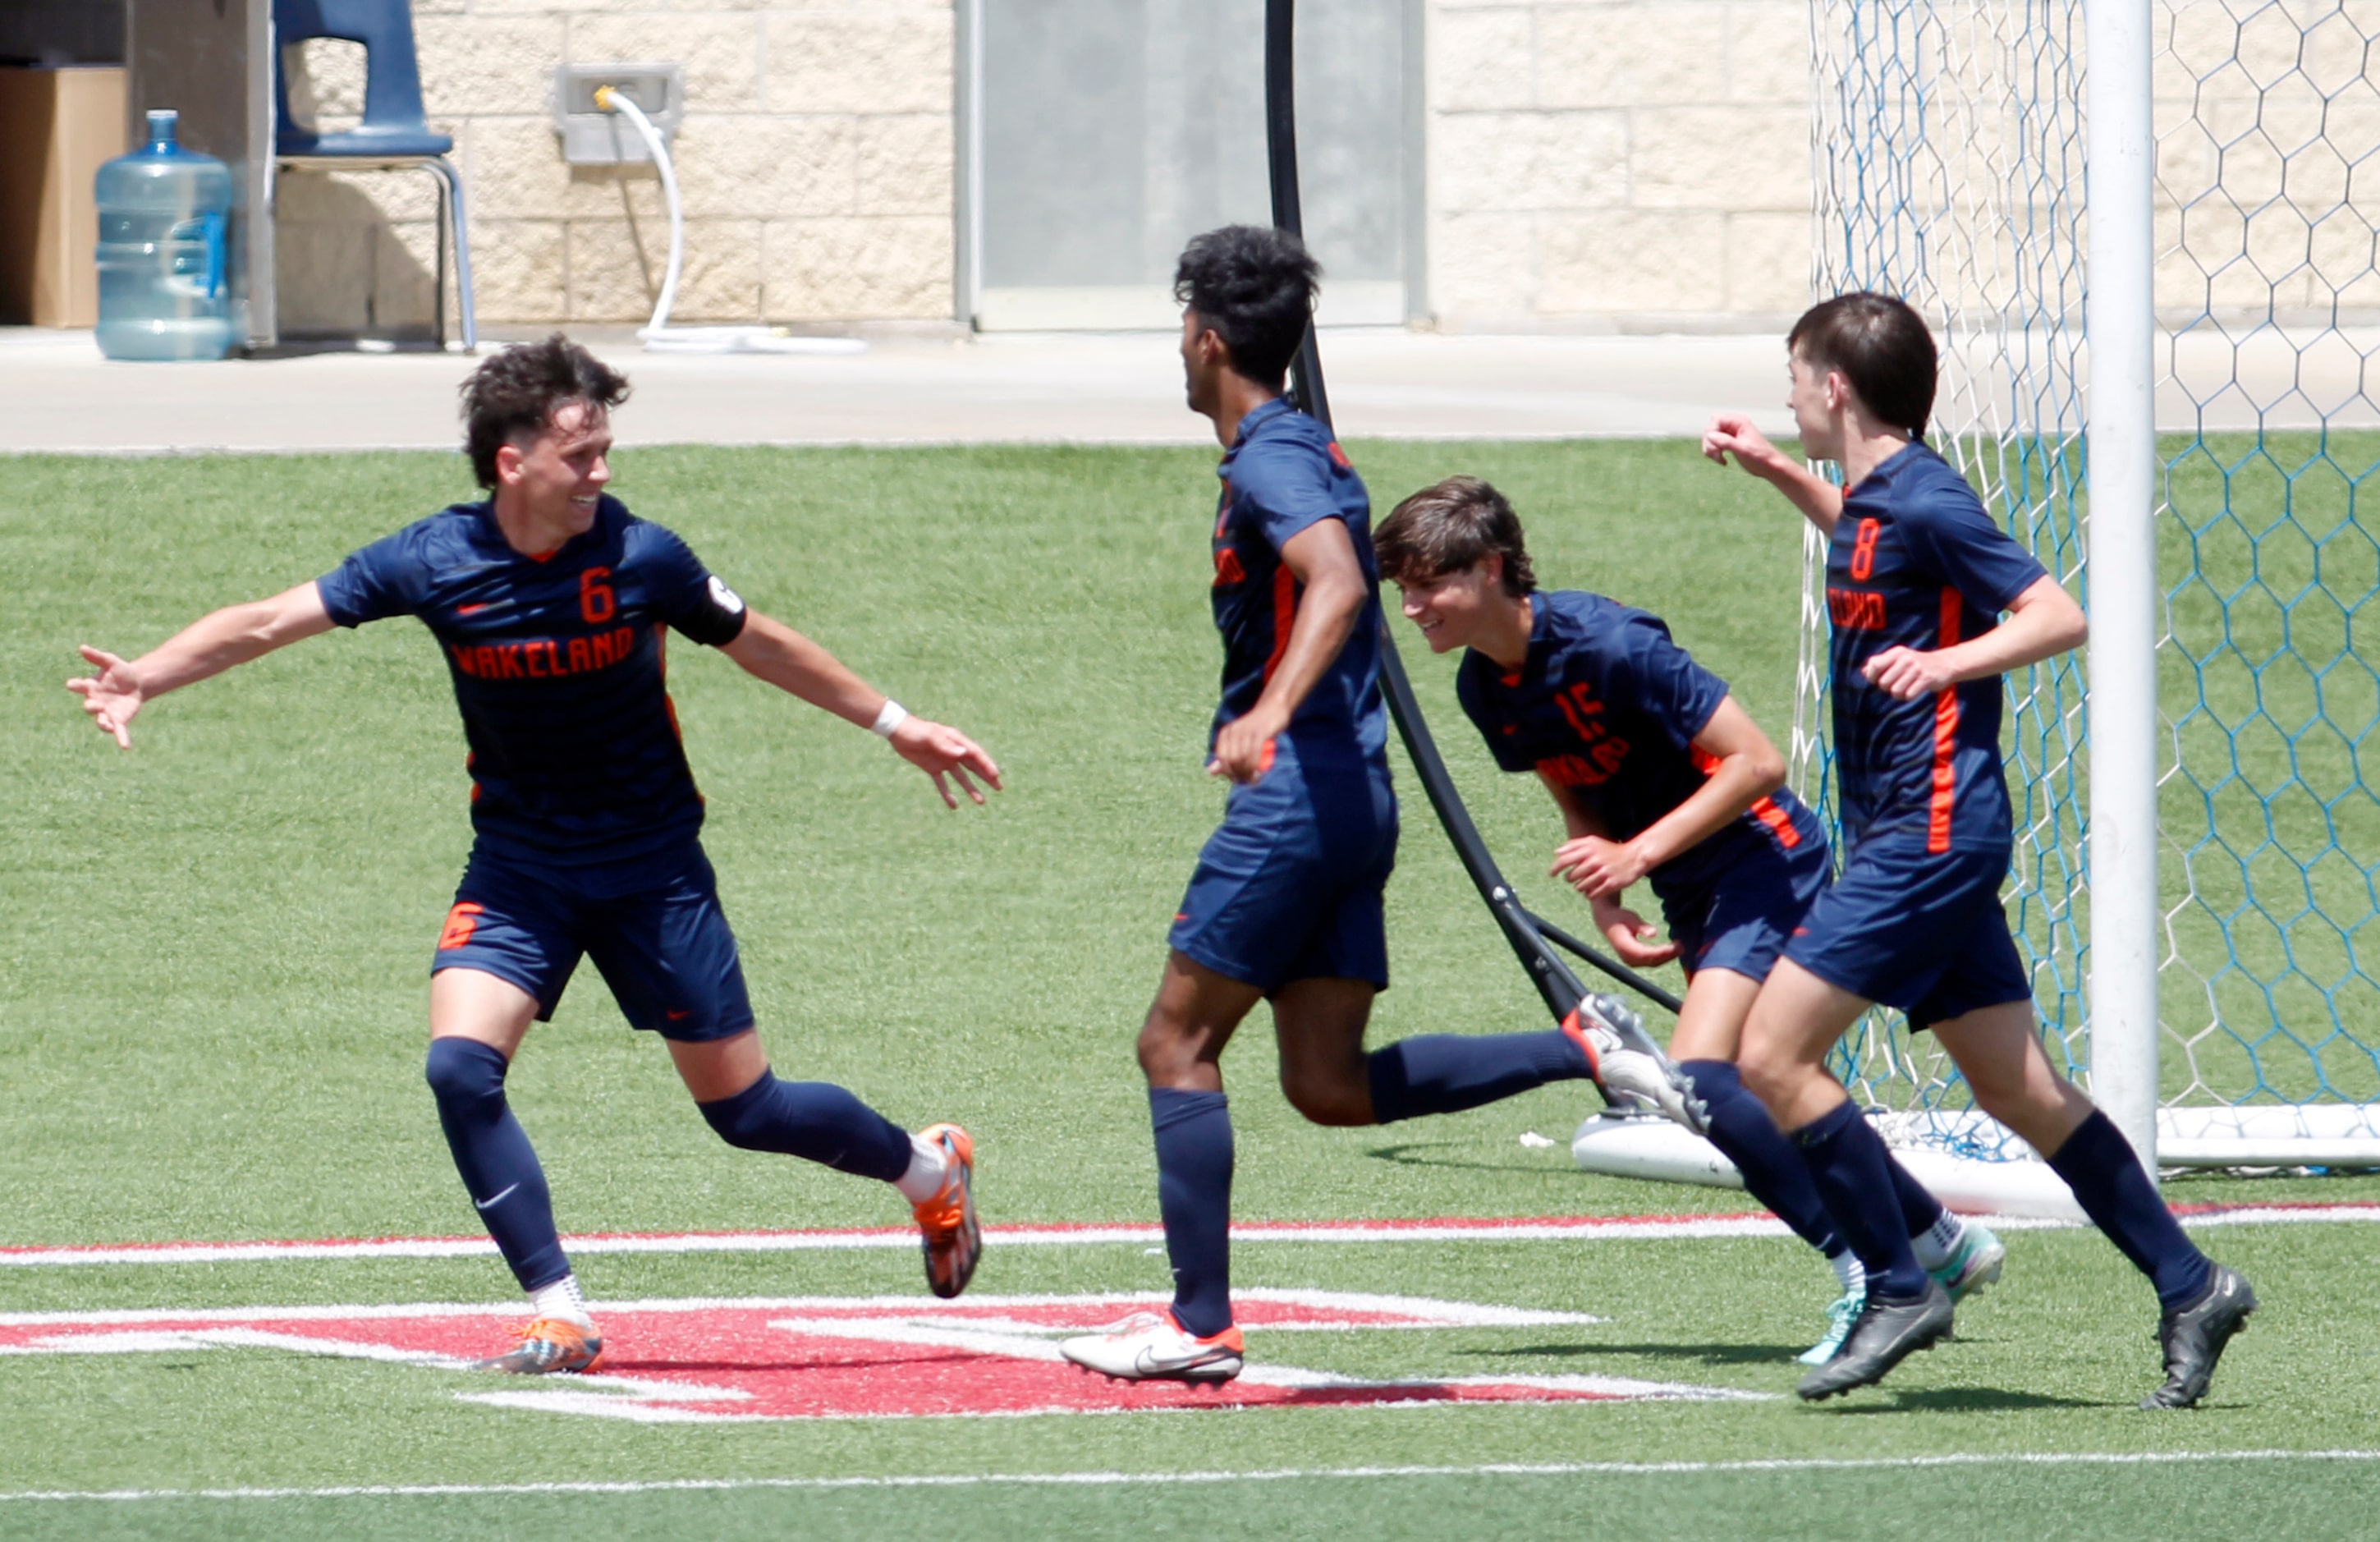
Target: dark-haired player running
{"x":1285,"y":904}
{"x":1659,"y":774}
{"x":551,"y":604}
{"x":1917,"y":578}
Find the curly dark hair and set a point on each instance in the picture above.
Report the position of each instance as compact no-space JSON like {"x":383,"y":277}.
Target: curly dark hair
{"x":1449,"y":527}
{"x":1254,"y":286}
{"x":1881,"y":346}
{"x":517,"y":391}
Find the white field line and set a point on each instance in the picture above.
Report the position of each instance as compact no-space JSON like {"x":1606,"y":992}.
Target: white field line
{"x":1582,"y":1229}
{"x":1261,"y":1474}
{"x":898,"y":1238}
{"x":1419,"y":1311}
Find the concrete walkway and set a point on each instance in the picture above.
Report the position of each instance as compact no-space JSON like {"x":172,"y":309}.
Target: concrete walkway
{"x":57,"y":393}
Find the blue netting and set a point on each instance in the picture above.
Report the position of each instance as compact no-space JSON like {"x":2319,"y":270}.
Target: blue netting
{"x":1949,"y":168}
{"x":2272,"y":832}
{"x":1948,"y":162}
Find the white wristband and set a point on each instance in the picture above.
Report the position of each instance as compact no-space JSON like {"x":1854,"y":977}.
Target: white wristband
{"x":891,"y":717}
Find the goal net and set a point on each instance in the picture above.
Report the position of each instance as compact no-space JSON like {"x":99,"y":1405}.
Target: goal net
{"x":1949,"y":166}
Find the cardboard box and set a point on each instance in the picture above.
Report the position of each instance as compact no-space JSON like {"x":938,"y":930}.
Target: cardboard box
{"x":57,"y":127}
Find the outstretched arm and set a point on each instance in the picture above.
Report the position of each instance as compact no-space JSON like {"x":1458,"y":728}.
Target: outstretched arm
{"x":1731,"y":433}
{"x":1323,"y":557}
{"x":2042,"y":622}
{"x":208,"y":646}
{"x":1631,"y":935}
{"x":773,"y":651}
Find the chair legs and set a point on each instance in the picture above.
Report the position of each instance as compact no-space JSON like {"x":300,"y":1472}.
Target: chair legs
{"x":451,"y":189}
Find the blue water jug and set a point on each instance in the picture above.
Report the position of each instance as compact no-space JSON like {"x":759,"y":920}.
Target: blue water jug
{"x":164,"y":291}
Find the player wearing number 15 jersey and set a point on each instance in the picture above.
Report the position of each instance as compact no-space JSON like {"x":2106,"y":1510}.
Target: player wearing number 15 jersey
{"x":551,"y":606}
{"x":1917,"y":578}
{"x":1661,"y":775}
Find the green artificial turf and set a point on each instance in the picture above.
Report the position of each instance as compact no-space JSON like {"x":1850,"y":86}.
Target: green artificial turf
{"x":211,"y":1018}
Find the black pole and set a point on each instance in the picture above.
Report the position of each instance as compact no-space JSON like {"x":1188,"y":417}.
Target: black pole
{"x":1280,"y":154}
{"x":1553,"y":977}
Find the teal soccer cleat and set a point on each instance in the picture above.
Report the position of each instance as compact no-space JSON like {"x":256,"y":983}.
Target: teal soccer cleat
{"x":1840,"y":1317}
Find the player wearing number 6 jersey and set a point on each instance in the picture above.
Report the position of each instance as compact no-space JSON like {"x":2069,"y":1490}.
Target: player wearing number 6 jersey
{"x":1660,"y":775}
{"x":1917,"y":578}
{"x":552,"y":605}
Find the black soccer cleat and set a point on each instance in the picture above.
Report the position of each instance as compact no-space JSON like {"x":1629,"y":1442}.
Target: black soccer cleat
{"x":1886,"y":1333}
{"x":2193,"y":1337}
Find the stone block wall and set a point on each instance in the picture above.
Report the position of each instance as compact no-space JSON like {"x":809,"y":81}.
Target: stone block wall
{"x":1617,"y":164}
{"x":1592,"y":164}
{"x":815,"y":162}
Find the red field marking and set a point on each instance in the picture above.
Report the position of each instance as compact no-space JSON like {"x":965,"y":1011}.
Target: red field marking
{"x":825,"y":1357}
{"x":1084,"y":1233}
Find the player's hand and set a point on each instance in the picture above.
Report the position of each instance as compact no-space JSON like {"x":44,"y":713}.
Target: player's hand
{"x":947,"y":755}
{"x":1596,"y":866}
{"x":1631,"y":935}
{"x":113,"y":698}
{"x":1905,"y":673}
{"x":1244,"y":750}
{"x":1731,"y":433}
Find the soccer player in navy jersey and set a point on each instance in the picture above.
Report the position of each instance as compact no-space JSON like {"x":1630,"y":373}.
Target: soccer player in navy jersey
{"x":1285,"y":903}
{"x":1658,"y":774}
{"x":1918,"y":577}
{"x":551,"y":603}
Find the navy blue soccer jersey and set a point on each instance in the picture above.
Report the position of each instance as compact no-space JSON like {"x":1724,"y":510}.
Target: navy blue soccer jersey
{"x":557,"y":664}
{"x":1282,"y":476}
{"x":1916,"y":562}
{"x":1606,"y":707}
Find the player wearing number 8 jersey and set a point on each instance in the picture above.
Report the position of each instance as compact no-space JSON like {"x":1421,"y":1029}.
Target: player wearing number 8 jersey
{"x":551,"y":606}
{"x":1917,"y":578}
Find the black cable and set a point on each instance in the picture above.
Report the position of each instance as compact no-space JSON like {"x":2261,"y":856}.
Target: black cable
{"x":1554,"y":978}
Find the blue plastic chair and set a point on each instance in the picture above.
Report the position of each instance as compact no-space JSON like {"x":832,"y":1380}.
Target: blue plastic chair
{"x":395,"y":133}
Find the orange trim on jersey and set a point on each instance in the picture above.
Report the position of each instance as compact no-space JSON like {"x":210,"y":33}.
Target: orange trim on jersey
{"x":1779,"y":822}
{"x":1284,"y":616}
{"x":1763,"y":807}
{"x":1945,"y":737}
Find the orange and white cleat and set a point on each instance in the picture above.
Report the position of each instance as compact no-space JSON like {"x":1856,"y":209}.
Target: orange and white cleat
{"x":550,"y":1346}
{"x":1628,"y":1065}
{"x":952,"y":1240}
{"x":1151,"y":1346}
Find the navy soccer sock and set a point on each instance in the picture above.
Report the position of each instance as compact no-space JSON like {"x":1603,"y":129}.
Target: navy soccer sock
{"x":1920,"y":1211}
{"x":2109,"y":1181}
{"x":492,"y":1153}
{"x":1447,"y":1073}
{"x":818,"y":1121}
{"x":1849,"y":1165}
{"x":1773,"y":1172}
{"x":1194,"y":1194}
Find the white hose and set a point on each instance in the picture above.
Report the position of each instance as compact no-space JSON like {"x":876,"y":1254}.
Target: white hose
{"x":657,"y":335}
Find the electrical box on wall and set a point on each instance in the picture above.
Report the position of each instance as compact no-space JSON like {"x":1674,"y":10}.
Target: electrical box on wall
{"x":592,"y":137}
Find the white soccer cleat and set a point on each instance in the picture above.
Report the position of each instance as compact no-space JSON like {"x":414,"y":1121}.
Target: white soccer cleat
{"x":1151,"y":1346}
{"x":1633,"y":1072}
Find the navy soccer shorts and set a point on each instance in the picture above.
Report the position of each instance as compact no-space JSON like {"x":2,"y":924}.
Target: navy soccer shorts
{"x":1742,"y":922}
{"x":1918,"y":930}
{"x":653,"y":928}
{"x":1289,"y":887}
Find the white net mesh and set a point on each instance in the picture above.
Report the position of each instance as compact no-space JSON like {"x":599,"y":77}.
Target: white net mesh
{"x":1949,"y":143}
{"x":1949,"y":160}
